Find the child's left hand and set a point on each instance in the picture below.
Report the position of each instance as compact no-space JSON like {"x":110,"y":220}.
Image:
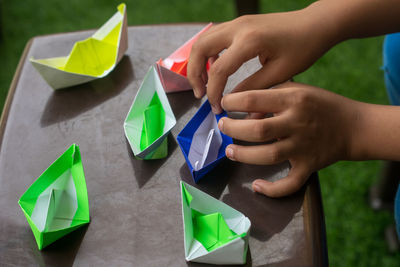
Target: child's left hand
{"x":312,"y":128}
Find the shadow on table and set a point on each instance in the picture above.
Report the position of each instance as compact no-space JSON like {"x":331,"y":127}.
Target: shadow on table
{"x":181,"y":102}
{"x":268,"y":216}
{"x":68,"y":103}
{"x":248,"y":262}
{"x":213,"y":183}
{"x":145,"y":169}
{"x":63,"y":251}
{"x":285,"y":263}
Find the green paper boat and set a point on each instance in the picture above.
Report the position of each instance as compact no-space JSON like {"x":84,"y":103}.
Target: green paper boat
{"x":57,"y":202}
{"x":149,"y":119}
{"x":214,"y":232}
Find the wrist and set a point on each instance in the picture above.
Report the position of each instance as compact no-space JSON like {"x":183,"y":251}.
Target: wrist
{"x":326,"y":24}
{"x":346,"y":19}
{"x":374,"y":132}
{"x":357,"y":129}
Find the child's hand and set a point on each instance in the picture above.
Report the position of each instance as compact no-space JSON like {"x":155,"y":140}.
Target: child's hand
{"x":312,"y":127}
{"x":285,"y":43}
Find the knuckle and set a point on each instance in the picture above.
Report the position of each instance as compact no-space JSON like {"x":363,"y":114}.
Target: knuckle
{"x":249,"y":101}
{"x":249,"y":37}
{"x":199,"y":45}
{"x":300,"y":97}
{"x":218,"y":69}
{"x":244,"y":27}
{"x":275,"y":155}
{"x":196,"y":45}
{"x":260,"y":131}
{"x":243,"y":19}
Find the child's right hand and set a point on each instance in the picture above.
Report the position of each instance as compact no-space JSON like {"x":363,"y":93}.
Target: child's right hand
{"x":285,"y":43}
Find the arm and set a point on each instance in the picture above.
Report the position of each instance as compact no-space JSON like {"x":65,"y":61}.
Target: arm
{"x":285,"y":43}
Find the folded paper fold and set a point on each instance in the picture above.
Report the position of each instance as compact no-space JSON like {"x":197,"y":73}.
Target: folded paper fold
{"x":89,"y":59}
{"x":202,"y":143}
{"x":172,"y":69}
{"x":57,"y":202}
{"x":149,"y":119}
{"x":153,"y":122}
{"x":214,"y":232}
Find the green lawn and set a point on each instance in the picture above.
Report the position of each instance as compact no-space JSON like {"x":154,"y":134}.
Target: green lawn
{"x":354,"y":231}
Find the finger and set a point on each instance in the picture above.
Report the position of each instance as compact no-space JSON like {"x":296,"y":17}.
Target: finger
{"x":204,"y":76}
{"x":286,"y":84}
{"x":285,"y":186}
{"x":263,"y":101}
{"x":270,"y":74}
{"x":195,"y":70}
{"x":209,"y":44}
{"x":210,"y":61}
{"x":265,"y":154}
{"x":228,"y":63}
{"x":260,"y":130}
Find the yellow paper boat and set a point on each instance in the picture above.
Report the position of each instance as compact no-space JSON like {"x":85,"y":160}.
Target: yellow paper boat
{"x":89,"y":59}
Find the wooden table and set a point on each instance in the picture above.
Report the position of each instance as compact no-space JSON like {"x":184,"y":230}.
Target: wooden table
{"x":134,"y":205}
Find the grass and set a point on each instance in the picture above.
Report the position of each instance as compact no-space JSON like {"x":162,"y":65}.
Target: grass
{"x":354,"y":231}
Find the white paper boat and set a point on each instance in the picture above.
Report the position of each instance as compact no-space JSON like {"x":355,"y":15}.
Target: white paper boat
{"x":232,"y":249}
{"x":149,"y":119}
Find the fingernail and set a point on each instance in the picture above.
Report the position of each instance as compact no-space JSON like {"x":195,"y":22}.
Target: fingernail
{"x":196,"y":95}
{"x":221,"y":125}
{"x":229,"y":153}
{"x":256,"y":187}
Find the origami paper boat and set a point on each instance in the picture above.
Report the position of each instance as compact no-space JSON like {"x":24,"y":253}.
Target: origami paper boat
{"x":172,"y":70}
{"x":214,"y":232}
{"x":89,"y":59}
{"x":57,"y":202}
{"x":149,"y":119}
{"x":202,"y":143}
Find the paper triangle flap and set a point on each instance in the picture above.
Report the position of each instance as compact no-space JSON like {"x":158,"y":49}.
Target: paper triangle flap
{"x":173,"y":82}
{"x":153,"y":122}
{"x":233,"y":252}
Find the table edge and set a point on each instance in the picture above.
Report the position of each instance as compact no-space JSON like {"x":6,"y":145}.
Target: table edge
{"x":130,"y":26}
{"x":11,"y":90}
{"x":314,"y":222}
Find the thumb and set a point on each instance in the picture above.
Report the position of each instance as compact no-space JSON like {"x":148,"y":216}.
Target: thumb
{"x":283,"y":187}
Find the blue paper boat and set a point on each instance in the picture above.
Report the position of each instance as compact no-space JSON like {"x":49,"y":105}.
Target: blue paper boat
{"x":201,"y":142}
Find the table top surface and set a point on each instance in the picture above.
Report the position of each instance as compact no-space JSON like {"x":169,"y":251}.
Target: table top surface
{"x":135,"y":206}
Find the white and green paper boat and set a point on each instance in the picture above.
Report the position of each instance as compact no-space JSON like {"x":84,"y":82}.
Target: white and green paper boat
{"x":214,"y":232}
{"x":149,"y":119}
{"x":57,"y":202}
